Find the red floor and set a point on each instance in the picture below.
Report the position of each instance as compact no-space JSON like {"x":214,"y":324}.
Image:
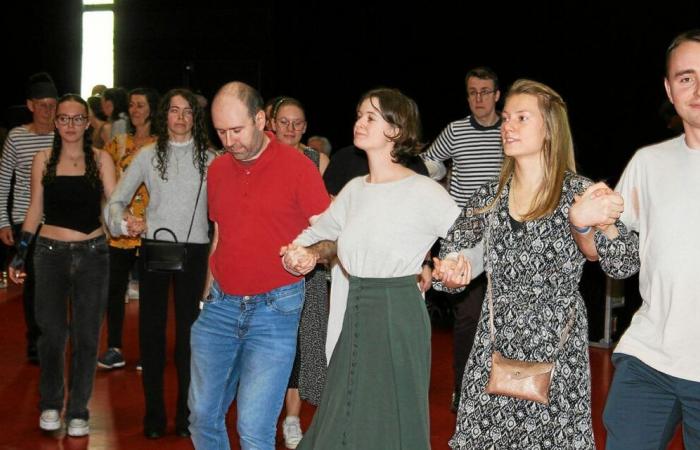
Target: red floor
{"x":117,"y":406}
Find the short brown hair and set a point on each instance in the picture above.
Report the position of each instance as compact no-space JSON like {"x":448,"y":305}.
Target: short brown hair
{"x":400,"y":111}
{"x":484,"y":73}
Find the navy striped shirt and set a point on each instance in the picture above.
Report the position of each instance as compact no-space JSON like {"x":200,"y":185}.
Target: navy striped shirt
{"x":476,"y":152}
{"x":17,"y":157}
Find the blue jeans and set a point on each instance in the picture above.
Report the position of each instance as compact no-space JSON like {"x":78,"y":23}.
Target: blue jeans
{"x":242,"y":346}
{"x":77,"y":271}
{"x":645,"y":406}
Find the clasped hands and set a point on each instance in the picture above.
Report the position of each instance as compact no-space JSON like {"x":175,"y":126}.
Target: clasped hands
{"x":598,"y":206}
{"x":453,"y":272}
{"x":298,"y":260}
{"x":135,"y":226}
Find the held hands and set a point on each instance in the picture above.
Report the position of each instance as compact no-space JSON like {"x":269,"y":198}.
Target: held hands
{"x":135,"y":226}
{"x":454,"y":273}
{"x":298,"y":260}
{"x":599,"y":206}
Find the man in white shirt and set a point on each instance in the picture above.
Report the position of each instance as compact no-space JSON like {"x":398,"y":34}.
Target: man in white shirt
{"x":657,"y":361}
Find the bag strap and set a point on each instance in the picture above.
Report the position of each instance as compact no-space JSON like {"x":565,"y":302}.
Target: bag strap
{"x":201,"y":180}
{"x":487,"y":268}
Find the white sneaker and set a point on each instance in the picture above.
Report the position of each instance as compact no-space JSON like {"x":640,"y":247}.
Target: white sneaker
{"x":78,"y":427}
{"x":50,"y":420}
{"x":133,"y":291}
{"x":291,"y":430}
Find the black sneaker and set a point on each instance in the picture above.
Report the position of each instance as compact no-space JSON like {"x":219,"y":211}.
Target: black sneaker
{"x":33,"y":355}
{"x":111,"y":359}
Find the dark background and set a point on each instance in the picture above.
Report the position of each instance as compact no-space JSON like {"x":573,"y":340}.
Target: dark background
{"x":607,"y":60}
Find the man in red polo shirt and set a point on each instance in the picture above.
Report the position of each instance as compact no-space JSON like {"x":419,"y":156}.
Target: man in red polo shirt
{"x":262,"y":194}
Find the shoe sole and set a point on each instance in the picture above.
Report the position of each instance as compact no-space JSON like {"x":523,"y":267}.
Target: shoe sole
{"x":78,"y":432}
{"x":113,"y":366}
{"x":50,"y":426}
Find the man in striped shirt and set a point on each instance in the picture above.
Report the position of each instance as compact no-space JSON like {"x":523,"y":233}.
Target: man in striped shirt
{"x":474,"y":146}
{"x":22,"y":143}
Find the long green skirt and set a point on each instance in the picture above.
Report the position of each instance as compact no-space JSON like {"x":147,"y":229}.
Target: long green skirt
{"x":376,"y":396}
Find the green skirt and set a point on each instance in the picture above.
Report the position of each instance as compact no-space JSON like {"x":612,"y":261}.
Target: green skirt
{"x":376,"y":395}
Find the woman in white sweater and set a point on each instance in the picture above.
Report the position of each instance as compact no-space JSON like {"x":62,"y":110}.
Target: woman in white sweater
{"x":376,"y":396}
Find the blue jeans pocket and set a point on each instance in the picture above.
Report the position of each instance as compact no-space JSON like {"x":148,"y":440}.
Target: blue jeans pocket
{"x":287,"y":299}
{"x":215,"y":293}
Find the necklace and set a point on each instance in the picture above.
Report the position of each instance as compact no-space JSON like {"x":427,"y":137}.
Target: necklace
{"x":74,"y":160}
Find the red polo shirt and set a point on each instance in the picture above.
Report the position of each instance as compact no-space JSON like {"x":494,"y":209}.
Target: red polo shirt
{"x":258,"y":209}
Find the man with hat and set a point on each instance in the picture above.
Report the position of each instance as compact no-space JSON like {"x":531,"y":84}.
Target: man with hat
{"x":22,"y":143}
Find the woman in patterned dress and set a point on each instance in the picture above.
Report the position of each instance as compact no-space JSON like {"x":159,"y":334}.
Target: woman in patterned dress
{"x":309,"y":371}
{"x":535,"y":264}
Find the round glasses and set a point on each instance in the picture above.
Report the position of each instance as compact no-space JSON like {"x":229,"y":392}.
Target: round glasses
{"x":64,"y":119}
{"x":295,"y":125}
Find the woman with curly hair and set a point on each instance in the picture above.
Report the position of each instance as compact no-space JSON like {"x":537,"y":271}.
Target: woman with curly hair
{"x":71,"y":262}
{"x":376,"y":395}
{"x":174,"y":172}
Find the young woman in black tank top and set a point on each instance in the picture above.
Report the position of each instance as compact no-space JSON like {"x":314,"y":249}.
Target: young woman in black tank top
{"x":71,"y":262}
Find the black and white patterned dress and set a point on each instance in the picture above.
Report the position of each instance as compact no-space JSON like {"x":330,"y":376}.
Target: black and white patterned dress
{"x":535,"y":273}
{"x":310,"y":365}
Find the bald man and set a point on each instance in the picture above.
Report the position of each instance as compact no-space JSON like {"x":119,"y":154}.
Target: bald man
{"x":262,"y":194}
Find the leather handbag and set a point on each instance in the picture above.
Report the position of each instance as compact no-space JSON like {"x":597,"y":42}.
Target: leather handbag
{"x":167,"y":256}
{"x":525,"y":380}
{"x":163,"y":256}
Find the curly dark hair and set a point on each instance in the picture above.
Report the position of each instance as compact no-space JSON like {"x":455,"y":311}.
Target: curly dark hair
{"x":199,"y":132}
{"x":400,"y":111}
{"x":92,"y":171}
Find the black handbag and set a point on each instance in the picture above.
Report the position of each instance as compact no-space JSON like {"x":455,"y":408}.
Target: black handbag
{"x":167,"y":256}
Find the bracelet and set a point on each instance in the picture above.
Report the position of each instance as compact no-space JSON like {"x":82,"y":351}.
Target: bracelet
{"x":581,"y":230}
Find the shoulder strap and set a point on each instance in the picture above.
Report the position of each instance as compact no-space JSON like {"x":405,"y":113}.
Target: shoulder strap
{"x":201,"y":179}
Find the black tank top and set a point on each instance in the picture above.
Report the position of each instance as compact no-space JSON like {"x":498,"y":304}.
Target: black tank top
{"x":71,"y":201}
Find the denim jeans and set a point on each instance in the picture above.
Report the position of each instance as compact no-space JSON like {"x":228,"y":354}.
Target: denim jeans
{"x":28,"y":293}
{"x":645,"y":406}
{"x":75,"y":272}
{"x":242,"y":346}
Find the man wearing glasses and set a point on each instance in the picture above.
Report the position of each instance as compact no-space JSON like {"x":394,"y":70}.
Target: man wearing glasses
{"x":22,"y":143}
{"x":474,"y":146}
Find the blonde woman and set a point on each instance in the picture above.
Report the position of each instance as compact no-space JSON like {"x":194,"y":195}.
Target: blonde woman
{"x":535,"y":264}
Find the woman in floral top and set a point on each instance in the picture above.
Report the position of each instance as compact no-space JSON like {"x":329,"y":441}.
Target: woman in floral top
{"x":123,"y":249}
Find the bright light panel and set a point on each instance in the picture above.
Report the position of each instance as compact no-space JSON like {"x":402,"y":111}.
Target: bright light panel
{"x":98,"y":49}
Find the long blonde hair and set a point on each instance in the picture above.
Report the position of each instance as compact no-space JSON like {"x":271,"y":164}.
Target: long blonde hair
{"x":557,"y":149}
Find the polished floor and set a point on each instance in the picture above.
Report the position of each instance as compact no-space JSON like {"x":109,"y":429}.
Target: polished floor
{"x":117,"y":406}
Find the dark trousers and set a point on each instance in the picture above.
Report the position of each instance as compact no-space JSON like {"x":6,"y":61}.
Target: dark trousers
{"x":188,"y":287}
{"x":467,"y":307}
{"x":71,"y":288}
{"x":121,"y":261}
{"x":28,"y":294}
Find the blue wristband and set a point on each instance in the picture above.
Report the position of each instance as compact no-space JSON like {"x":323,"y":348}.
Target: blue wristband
{"x":581,"y":230}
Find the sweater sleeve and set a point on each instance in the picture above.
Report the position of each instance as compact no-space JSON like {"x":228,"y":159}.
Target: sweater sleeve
{"x":121,"y":197}
{"x":7,"y":166}
{"x":329,"y":224}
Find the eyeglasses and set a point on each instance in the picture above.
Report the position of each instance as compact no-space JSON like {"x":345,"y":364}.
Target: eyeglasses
{"x":63,"y":119}
{"x":483,"y":93}
{"x":296,"y":125}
